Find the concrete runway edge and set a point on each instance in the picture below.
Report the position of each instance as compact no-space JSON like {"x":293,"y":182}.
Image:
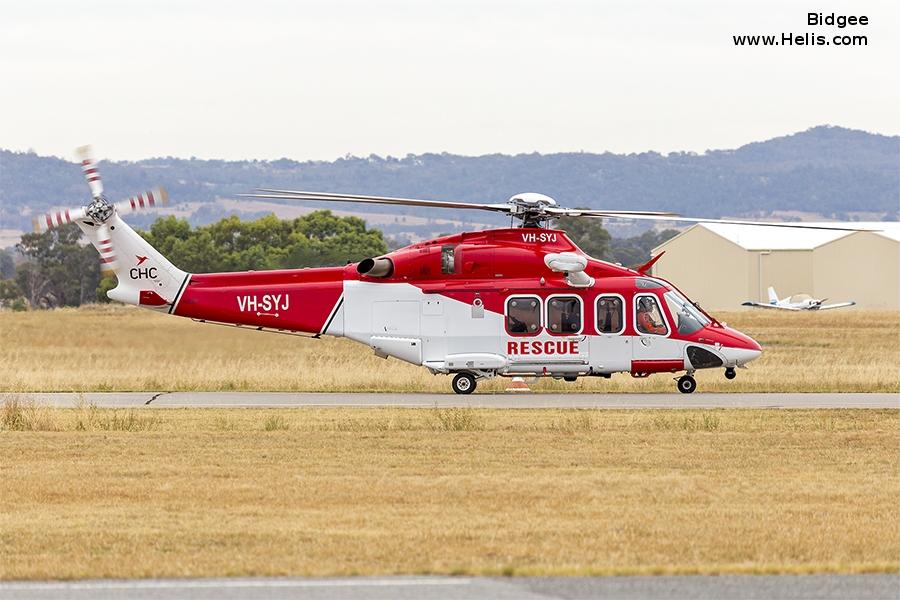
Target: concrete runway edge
{"x":521,"y":400}
{"x":733,"y":587}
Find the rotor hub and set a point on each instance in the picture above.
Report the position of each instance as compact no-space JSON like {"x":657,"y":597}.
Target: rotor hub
{"x":531,"y":208}
{"x":532,"y":200}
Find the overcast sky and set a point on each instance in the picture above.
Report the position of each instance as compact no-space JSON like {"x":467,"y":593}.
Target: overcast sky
{"x":318,"y":80}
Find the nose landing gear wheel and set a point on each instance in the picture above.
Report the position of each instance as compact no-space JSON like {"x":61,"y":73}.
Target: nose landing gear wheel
{"x":464,"y":383}
{"x":730,"y":373}
{"x":687,"y":384}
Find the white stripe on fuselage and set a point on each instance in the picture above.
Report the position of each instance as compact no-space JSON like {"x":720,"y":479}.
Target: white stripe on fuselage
{"x":397,"y":308}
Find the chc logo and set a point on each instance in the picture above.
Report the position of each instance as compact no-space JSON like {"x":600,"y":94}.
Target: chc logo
{"x":145,"y":273}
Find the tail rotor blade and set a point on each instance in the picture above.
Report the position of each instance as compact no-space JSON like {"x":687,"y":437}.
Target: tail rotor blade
{"x":55,"y":219}
{"x":89,"y":168}
{"x":155,"y":197}
{"x":108,"y":260}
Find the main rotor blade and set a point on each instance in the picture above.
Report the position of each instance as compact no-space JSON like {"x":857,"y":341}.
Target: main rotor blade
{"x":589,"y":212}
{"x":329,"y":197}
{"x":613,"y":215}
{"x":508,"y":208}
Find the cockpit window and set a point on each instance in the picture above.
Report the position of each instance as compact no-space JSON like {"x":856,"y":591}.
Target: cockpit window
{"x":448,"y":259}
{"x":523,"y":315}
{"x":687,"y":318}
{"x":649,"y":318}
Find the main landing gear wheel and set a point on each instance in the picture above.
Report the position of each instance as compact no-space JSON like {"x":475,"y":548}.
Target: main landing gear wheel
{"x":687,"y":384}
{"x":464,"y":383}
{"x":730,"y":373}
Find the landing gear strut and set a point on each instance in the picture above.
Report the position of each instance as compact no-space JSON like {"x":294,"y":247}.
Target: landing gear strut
{"x":730,"y":373}
{"x":687,"y":384}
{"x":464,"y":383}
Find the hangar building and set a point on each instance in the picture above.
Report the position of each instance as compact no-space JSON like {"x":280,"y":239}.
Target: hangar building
{"x":719,"y":266}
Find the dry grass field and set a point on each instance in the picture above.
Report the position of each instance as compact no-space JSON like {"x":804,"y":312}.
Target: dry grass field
{"x":185,"y":492}
{"x":106,"y":348}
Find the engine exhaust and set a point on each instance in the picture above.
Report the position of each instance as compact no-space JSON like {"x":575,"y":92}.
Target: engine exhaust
{"x":375,"y":267}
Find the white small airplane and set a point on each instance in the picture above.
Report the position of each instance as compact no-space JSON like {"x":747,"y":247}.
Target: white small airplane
{"x":796,"y":302}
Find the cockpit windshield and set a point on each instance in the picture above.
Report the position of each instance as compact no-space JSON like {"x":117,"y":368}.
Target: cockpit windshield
{"x":688,"y":318}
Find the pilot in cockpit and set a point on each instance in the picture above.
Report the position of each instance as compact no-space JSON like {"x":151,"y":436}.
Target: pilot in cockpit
{"x":645,"y":321}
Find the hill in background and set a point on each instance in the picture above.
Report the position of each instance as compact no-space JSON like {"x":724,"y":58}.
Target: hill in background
{"x":824,"y":172}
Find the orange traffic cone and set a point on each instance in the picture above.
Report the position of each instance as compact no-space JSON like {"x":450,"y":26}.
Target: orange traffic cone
{"x":518,"y":385}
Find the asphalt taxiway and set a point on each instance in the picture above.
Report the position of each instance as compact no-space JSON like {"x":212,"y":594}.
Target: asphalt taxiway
{"x":510,"y":400}
{"x":734,"y":587}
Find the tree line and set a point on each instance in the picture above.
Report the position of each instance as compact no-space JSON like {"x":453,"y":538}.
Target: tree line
{"x":57,"y":268}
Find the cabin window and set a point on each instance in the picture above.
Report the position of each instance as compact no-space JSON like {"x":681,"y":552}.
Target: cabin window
{"x":564,"y":314}
{"x":523,"y":315}
{"x":448,"y":259}
{"x":610,"y":314}
{"x":649,"y":318}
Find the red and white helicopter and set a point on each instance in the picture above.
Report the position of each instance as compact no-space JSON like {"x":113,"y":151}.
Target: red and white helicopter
{"x":523,"y":300}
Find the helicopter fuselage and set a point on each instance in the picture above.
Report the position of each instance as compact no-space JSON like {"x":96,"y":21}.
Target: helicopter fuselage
{"x":485,"y":303}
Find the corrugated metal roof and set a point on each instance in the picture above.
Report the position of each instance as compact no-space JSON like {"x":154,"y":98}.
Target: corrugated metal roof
{"x":760,"y":237}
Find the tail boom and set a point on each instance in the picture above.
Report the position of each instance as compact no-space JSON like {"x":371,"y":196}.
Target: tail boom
{"x":297,"y":300}
{"x":301,"y":300}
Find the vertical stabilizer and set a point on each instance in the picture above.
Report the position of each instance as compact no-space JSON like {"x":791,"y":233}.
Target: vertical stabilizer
{"x":145,"y":276}
{"x":773,"y":297}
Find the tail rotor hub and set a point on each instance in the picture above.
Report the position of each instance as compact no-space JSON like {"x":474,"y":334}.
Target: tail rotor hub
{"x":94,"y":217}
{"x":99,"y":210}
